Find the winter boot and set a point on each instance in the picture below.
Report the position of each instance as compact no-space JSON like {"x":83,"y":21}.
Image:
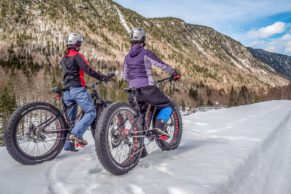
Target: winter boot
{"x":80,"y":142}
{"x":70,"y":146}
{"x":160,"y":130}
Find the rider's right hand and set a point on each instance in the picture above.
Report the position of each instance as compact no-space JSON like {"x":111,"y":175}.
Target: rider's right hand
{"x":176,"y":76}
{"x":107,"y":77}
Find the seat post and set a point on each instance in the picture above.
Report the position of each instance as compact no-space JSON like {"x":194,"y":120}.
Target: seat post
{"x":136,"y":103}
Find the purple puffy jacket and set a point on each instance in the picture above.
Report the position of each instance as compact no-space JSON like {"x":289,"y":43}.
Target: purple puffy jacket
{"x":137,"y":68}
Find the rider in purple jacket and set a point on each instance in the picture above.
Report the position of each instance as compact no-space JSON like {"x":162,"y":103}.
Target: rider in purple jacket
{"x":138,"y":73}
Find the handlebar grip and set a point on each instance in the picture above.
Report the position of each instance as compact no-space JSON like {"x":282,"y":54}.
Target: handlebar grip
{"x":176,"y":77}
{"x":110,"y":76}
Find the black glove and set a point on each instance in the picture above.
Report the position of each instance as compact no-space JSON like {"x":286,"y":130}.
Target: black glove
{"x":176,"y":76}
{"x":107,"y":77}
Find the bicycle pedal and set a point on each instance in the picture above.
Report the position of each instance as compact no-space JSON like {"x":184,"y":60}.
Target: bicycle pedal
{"x":163,"y":137}
{"x":78,"y":145}
{"x":151,"y":138}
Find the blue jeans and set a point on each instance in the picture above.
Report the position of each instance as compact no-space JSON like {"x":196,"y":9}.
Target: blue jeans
{"x":80,"y":96}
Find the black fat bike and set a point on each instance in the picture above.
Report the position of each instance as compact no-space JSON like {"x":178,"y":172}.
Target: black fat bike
{"x":123,"y":127}
{"x":36,"y":132}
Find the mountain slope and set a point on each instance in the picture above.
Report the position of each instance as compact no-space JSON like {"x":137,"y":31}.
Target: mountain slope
{"x":32,"y":39}
{"x":280,"y":63}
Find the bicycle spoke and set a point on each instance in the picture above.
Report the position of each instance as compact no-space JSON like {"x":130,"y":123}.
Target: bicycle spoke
{"x":45,"y":146}
{"x":27,"y":145}
{"x":37,"y":153}
{"x":34,"y":142}
{"x":33,"y":150}
{"x":51,"y":140}
{"x":121,"y":137}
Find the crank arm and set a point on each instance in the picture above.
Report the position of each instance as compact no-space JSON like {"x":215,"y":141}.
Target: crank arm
{"x":144,"y":136}
{"x":55,"y":131}
{"x":52,"y":140}
{"x":143,"y":131}
{"x":141,"y":149}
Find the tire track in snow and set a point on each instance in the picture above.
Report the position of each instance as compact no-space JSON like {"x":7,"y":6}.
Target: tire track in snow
{"x":63,"y":175}
{"x":54,"y":185}
{"x":261,"y":163}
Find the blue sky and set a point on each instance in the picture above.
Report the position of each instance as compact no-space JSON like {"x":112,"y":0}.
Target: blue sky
{"x":262,"y":24}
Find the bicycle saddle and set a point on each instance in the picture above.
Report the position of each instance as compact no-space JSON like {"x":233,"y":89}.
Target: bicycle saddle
{"x":57,"y":90}
{"x":130,"y":90}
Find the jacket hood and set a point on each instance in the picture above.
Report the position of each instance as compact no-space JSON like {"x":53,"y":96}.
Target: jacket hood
{"x":135,"y":50}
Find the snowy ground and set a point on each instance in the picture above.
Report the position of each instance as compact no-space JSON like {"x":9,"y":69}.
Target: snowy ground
{"x":244,"y":150}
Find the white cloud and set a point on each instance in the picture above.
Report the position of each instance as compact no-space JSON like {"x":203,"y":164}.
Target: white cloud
{"x":288,"y":48}
{"x":286,"y":37}
{"x":257,"y":43}
{"x":279,"y":45}
{"x":271,"y":49}
{"x":268,"y":31}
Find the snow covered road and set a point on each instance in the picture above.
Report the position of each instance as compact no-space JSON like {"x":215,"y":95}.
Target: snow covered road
{"x":243,"y":150}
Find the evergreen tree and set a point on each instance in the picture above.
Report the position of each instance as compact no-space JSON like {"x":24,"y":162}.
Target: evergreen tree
{"x":183,"y":105}
{"x":193,"y":93}
{"x":208,"y":91}
{"x":7,"y":106}
{"x":233,"y":97}
{"x":200,"y":101}
{"x":244,"y":95}
{"x":210,"y":103}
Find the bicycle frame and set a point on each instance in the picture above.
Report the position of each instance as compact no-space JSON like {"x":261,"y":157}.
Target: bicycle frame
{"x":147,"y":118}
{"x":64,"y":111}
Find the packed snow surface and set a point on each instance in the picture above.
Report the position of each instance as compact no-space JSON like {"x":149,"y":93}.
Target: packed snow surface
{"x":241,"y":150}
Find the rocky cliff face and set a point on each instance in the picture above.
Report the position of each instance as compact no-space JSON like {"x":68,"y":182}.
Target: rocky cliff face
{"x":280,"y":63}
{"x":32,"y":40}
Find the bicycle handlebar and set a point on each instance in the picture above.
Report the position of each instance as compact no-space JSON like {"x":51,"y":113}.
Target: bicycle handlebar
{"x":90,"y":86}
{"x":170,"y":79}
{"x":100,"y":82}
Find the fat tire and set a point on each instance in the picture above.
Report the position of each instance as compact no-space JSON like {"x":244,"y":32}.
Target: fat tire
{"x":11,"y":128}
{"x":99,"y":110}
{"x":101,"y":140}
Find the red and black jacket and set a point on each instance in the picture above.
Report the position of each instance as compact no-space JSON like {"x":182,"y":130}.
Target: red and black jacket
{"x":74,"y":65}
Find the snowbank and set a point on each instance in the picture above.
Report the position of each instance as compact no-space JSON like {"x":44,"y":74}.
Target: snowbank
{"x":244,"y":150}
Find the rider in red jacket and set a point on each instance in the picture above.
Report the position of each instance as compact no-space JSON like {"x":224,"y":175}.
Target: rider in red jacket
{"x":74,"y":66}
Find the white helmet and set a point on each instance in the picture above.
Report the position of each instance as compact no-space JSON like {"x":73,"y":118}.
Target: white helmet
{"x":74,"y":39}
{"x":137,"y":35}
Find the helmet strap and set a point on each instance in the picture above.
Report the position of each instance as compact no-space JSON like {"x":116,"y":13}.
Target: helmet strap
{"x":78,"y":48}
{"x":138,"y":42}
{"x":75,"y":47}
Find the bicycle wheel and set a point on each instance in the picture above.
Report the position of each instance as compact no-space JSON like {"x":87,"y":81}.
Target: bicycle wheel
{"x":117,"y":145}
{"x":99,"y":108}
{"x":175,"y":128}
{"x":35,"y":132}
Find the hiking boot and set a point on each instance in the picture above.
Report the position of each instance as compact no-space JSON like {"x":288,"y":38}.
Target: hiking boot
{"x":70,"y":147}
{"x":78,"y":141}
{"x":160,"y":130}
